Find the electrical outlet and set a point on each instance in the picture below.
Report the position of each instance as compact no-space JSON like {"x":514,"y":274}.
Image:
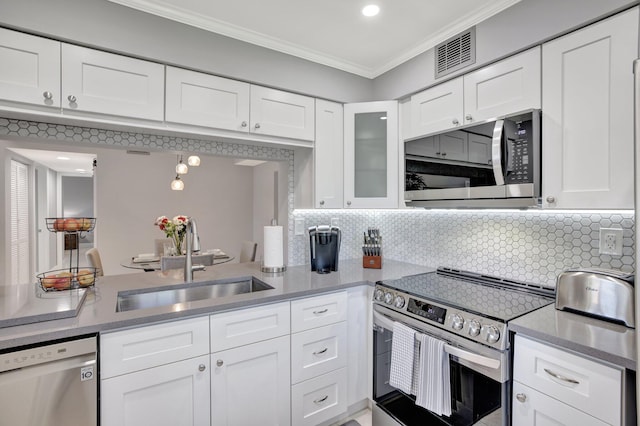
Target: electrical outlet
{"x":299,"y":227}
{"x":335,"y":221}
{"x":611,"y":241}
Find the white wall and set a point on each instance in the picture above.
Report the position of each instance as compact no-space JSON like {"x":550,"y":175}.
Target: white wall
{"x":109,"y":26}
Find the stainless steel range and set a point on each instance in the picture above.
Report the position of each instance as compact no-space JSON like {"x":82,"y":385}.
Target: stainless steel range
{"x":468,"y":312}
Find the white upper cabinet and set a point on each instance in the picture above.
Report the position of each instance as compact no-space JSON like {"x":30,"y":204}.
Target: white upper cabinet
{"x":435,"y":109}
{"x":33,"y":76}
{"x":506,"y":87}
{"x":328,"y":155}
{"x":371,"y":155}
{"x":278,"y":113}
{"x":105,"y":83}
{"x":206,"y":100}
{"x":587,"y":116}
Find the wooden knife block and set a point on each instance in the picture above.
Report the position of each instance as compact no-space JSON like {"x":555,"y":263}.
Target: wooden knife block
{"x":372,"y":262}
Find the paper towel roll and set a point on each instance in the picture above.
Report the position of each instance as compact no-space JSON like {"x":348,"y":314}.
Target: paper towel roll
{"x":273,"y":248}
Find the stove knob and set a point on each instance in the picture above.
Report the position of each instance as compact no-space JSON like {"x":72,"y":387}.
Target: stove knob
{"x":493,"y":334}
{"x":398,"y":302}
{"x":474,"y":328}
{"x":457,"y":322}
{"x":388,"y":298}
{"x":378,"y":295}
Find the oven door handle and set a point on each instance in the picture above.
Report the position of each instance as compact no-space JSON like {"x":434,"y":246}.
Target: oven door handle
{"x":472,"y":357}
{"x":381,"y":320}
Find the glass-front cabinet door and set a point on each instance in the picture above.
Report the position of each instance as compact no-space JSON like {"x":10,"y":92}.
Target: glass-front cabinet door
{"x":371,"y":155}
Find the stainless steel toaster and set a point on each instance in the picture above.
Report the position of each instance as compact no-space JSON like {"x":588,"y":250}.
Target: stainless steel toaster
{"x":601,"y":293}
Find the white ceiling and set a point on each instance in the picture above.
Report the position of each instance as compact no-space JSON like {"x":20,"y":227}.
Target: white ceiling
{"x":51,"y":159}
{"x":332,"y":32}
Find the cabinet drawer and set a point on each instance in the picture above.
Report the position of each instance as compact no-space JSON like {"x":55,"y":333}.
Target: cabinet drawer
{"x":237,"y":328}
{"x":317,"y":400}
{"x":318,"y":311}
{"x":144,"y":347}
{"x":531,"y":407}
{"x":318,"y":351}
{"x":587,"y":385}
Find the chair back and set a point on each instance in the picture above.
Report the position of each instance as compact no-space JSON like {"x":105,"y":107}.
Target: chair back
{"x":93,"y":257}
{"x":248,"y":251}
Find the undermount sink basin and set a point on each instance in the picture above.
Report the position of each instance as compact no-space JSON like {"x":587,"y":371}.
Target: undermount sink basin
{"x":152,"y":298}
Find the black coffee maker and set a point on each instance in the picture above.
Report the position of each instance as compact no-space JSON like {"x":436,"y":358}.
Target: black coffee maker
{"x":324,"y":243}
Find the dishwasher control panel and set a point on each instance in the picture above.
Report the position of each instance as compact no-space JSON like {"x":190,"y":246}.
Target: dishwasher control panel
{"x":22,"y":358}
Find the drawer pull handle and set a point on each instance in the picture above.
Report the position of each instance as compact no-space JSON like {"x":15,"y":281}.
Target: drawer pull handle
{"x":321,"y":400}
{"x":202,"y":367}
{"x":321,"y":312}
{"x":561,"y":377}
{"x":219,"y":363}
{"x":320,"y":352}
{"x":521,"y":397}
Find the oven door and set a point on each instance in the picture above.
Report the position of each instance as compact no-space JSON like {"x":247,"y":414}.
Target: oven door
{"x":479,"y":379}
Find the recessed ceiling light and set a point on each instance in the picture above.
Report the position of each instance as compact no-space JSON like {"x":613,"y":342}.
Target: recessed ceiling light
{"x":248,"y":162}
{"x":63,"y":158}
{"x":81,"y":170}
{"x":370,"y":10}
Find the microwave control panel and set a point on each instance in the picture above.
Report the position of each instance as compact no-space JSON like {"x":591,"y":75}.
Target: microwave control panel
{"x":519,"y":153}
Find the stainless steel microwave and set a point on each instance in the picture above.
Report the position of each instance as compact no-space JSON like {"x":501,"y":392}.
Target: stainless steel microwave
{"x":492,"y":164}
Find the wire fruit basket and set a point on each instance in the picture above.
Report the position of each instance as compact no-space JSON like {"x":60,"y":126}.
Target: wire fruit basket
{"x":71,"y":224}
{"x":67,"y":279}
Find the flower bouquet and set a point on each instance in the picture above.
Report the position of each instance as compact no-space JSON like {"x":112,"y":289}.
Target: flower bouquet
{"x":175,"y":229}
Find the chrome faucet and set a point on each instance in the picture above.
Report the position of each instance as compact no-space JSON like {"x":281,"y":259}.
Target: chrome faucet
{"x":193,"y":245}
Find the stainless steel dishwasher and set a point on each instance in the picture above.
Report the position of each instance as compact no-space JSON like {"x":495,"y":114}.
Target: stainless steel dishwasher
{"x":52,"y":385}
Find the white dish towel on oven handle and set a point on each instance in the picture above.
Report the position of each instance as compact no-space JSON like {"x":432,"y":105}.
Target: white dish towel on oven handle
{"x":433,"y":385}
{"x":402,"y":355}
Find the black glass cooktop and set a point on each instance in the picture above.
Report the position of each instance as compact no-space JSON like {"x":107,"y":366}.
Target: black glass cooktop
{"x":490,"y":299}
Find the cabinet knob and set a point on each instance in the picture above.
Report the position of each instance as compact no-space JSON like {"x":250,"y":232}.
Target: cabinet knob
{"x":455,"y":121}
{"x":219,"y":363}
{"x":489,"y":162}
{"x":244,"y":124}
{"x":468,"y":117}
{"x":521,"y":397}
{"x":348,"y":203}
{"x":47,"y":95}
{"x":437,"y":153}
{"x":72,"y":99}
{"x":257,"y":126}
{"x":444,"y":154}
{"x":551,"y":199}
{"x":322,"y":202}
{"x":202,"y":367}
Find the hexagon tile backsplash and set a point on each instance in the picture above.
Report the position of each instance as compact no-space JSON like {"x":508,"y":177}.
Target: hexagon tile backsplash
{"x":532,"y":246}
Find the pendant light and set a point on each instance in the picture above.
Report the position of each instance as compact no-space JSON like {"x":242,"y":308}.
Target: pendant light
{"x":177,"y":184}
{"x":181,"y":168}
{"x":193,"y":160}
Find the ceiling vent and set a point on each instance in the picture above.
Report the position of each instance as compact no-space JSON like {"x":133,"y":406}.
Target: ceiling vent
{"x":456,"y":53}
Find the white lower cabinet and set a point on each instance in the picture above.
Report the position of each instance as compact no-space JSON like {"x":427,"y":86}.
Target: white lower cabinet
{"x":175,"y":394}
{"x":531,"y":407}
{"x":250,"y":385}
{"x":319,"y":399}
{"x":571,"y":384}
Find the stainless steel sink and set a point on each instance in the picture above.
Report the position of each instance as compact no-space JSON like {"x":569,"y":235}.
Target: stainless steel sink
{"x":153,"y":298}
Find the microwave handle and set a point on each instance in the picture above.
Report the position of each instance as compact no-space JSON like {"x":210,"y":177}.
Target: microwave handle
{"x":496,"y":152}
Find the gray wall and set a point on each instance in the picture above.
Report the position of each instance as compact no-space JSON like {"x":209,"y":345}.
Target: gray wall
{"x":77,"y":200}
{"x":109,"y":26}
{"x":523,"y":25}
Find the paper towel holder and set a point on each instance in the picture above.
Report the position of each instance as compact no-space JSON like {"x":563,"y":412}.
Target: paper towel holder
{"x":273,"y":269}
